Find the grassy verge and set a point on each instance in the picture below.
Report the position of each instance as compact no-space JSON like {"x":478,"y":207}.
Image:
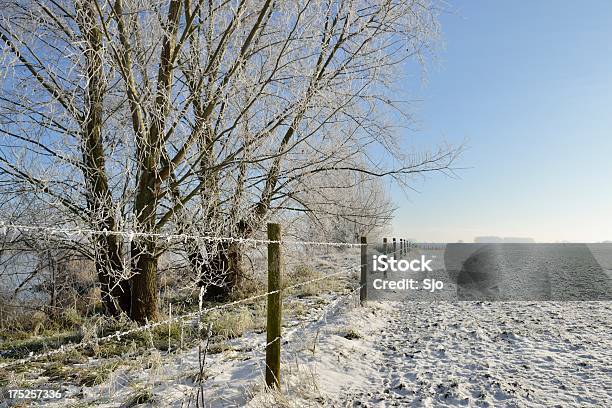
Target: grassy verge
{"x":92,"y":364}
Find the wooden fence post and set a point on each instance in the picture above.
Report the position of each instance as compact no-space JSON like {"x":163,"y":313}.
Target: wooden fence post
{"x":273,"y":327}
{"x":385,"y":249}
{"x":363,"y":292}
{"x":394,"y":248}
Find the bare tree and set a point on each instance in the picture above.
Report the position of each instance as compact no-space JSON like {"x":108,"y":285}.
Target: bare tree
{"x":203,"y":118}
{"x":52,"y":119}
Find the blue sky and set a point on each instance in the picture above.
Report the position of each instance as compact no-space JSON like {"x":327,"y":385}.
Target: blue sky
{"x":529,"y":85}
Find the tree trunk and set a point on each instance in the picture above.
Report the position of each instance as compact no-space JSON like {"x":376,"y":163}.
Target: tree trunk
{"x":149,"y":151}
{"x":144,"y":282}
{"x":144,"y":249}
{"x":115,"y":294}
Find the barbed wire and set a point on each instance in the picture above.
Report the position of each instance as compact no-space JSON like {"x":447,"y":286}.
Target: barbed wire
{"x":131,"y":235}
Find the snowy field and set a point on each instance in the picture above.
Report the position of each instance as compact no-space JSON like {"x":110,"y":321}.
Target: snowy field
{"x":477,"y":354}
{"x":511,"y":354}
{"x":387,"y":353}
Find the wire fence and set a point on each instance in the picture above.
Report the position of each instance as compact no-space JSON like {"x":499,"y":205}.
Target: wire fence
{"x":131,"y":235}
{"x":193,"y":318}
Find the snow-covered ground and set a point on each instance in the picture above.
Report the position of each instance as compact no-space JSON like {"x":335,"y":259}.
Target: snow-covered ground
{"x":387,"y":353}
{"x":476,"y":354}
{"x":405,"y":354}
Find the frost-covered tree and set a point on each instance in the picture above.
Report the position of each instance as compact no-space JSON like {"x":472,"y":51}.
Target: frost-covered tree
{"x":202,"y":117}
